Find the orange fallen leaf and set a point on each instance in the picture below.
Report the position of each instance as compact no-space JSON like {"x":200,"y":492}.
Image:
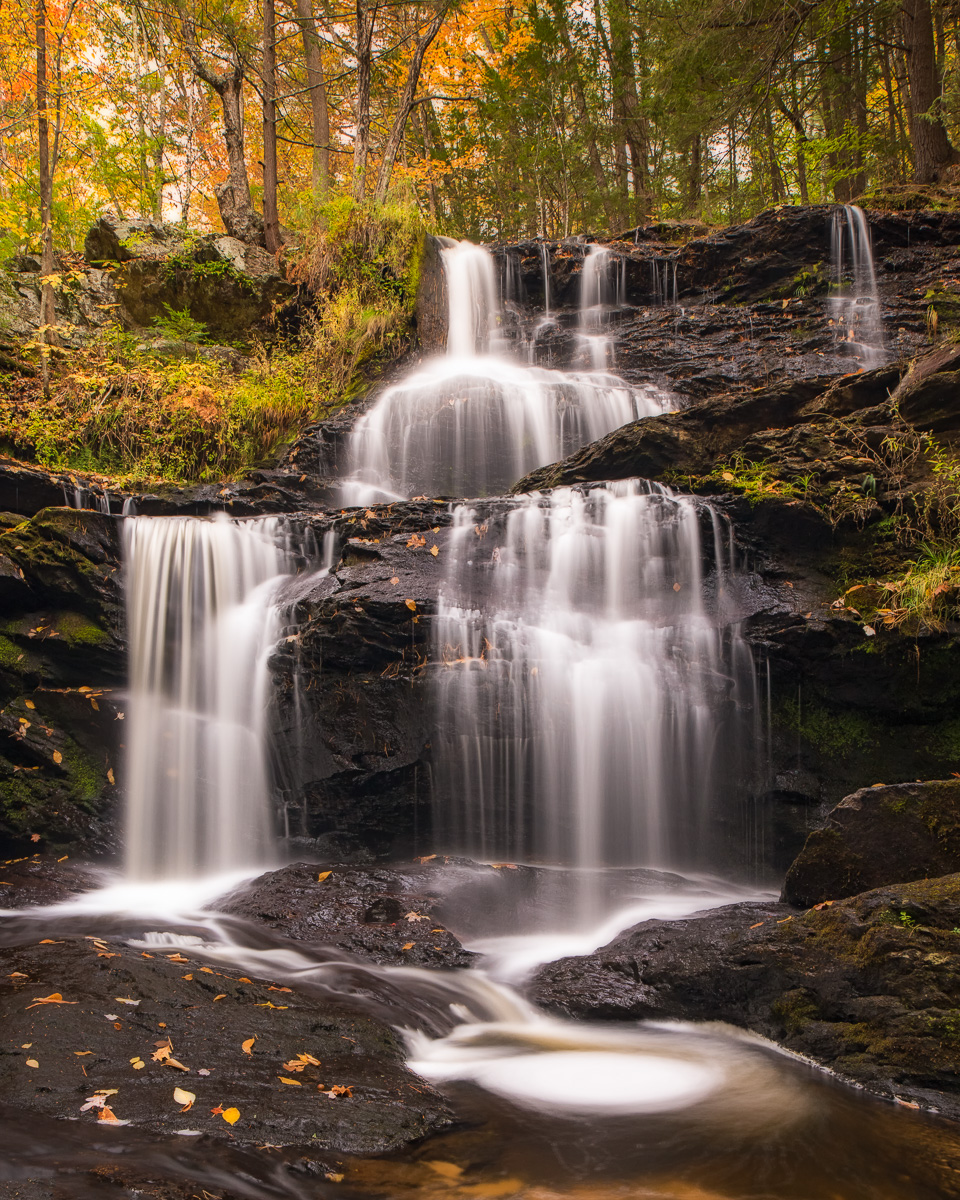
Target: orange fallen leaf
{"x":32,"y":1062}
{"x":290,"y":1082}
{"x":395,"y":580}
{"x":53,"y":998}
{"x":110,"y":776}
{"x":408,"y":946}
{"x":231,"y":1115}
{"x":434,"y":550}
{"x":82,"y":1053}
{"x":757,"y":926}
{"x":411,"y":604}
{"x":17,"y":975}
{"x":323,"y":875}
{"x":49,"y":942}
{"x":247,"y":1046}
{"x":222,"y":996}
{"x":57,"y":758}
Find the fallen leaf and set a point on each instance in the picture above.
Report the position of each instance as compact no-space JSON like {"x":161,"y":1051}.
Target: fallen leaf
{"x":434,"y":550}
{"x":334,"y":1176}
{"x":222,"y":996}
{"x":416,"y":916}
{"x":290,"y":1082}
{"x":35,"y":837}
{"x":32,"y":1062}
{"x":177,"y":958}
{"x":247,"y":1046}
{"x":231,"y":1115}
{"x":185,"y":1098}
{"x":110,"y":775}
{"x":323,"y":875}
{"x":869,"y":630}
{"x":676,"y":587}
{"x":57,"y":758}
{"x":415,"y":541}
{"x":395,"y":580}
{"x":411,"y":604}
{"x":17,"y":975}
{"x":48,"y":941}
{"x":53,"y":998}
{"x":757,"y":926}
{"x":408,"y":946}
{"x":82,"y":1053}
{"x":29,"y":704}
{"x":126,"y":1000}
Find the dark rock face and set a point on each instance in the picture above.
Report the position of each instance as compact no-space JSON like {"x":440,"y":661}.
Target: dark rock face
{"x":866,"y":986}
{"x":380,"y":914}
{"x":206,"y":1015}
{"x":353,"y":720}
{"x":61,"y":662}
{"x":877,"y":835}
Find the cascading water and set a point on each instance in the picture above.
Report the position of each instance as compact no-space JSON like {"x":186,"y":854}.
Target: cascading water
{"x":601,"y":295}
{"x":589,"y":706}
{"x":855,"y":305}
{"x":201,"y":623}
{"x":473,"y":422}
{"x":663,"y":282}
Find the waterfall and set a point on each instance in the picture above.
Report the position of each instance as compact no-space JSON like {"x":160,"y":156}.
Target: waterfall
{"x":201,"y":624}
{"x":590,"y":706}
{"x":473,"y":306}
{"x":545,"y":269}
{"x":855,"y":309}
{"x":474,"y":421}
{"x":602,"y":288}
{"x":663,"y":281}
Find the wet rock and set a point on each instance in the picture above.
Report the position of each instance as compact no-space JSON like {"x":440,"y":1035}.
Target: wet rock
{"x":381,"y":914}
{"x":62,"y":662}
{"x":120,"y":1003}
{"x":352,"y":715}
{"x":867,"y":986}
{"x":877,"y":836}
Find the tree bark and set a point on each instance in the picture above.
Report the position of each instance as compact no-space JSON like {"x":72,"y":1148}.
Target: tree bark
{"x":932,"y":151}
{"x":366,"y":20}
{"x":233,"y":195}
{"x":271,"y":219}
{"x":47,"y":308}
{"x":395,"y":137}
{"x":319,"y":113}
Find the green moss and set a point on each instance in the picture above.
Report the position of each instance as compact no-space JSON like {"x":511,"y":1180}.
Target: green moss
{"x":830,"y":732}
{"x":795,"y":1009}
{"x":79,"y":631}
{"x":12,"y":658}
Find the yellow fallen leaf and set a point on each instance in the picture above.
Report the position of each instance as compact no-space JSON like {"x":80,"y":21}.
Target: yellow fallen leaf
{"x":290,"y":1082}
{"x":222,"y":996}
{"x":231,"y":1115}
{"x":434,"y":550}
{"x":247,"y":1046}
{"x":185,"y":1098}
{"x":110,"y":776}
{"x":29,"y":704}
{"x":53,"y":998}
{"x":411,"y":604}
{"x":323,"y":875}
{"x":82,"y":1053}
{"x":57,"y":756}
{"x":32,"y":1062}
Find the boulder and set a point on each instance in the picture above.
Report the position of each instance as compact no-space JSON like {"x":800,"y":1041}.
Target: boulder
{"x":868,"y":986}
{"x":229,"y":287}
{"x":118,"y":1005}
{"x":877,"y":836}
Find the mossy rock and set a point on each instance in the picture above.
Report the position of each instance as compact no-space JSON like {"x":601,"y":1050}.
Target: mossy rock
{"x":879,"y":836}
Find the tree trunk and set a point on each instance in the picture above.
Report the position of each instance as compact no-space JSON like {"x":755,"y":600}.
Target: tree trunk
{"x":271,"y":220}
{"x":47,"y":310}
{"x":319,"y":113}
{"x":233,"y":195}
{"x":395,"y":137}
{"x":366,"y":19}
{"x":932,"y":151}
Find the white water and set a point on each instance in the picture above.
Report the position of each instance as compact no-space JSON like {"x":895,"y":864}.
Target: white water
{"x":855,"y":305}
{"x":663,"y":281}
{"x":475,"y":421}
{"x":201,"y":623}
{"x":589,"y":707}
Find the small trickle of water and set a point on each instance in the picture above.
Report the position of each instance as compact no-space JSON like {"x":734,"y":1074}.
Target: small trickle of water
{"x":602,"y":285}
{"x":545,"y":268}
{"x":855,"y":305}
{"x":201,"y":624}
{"x":663,"y":282}
{"x":590,"y":707}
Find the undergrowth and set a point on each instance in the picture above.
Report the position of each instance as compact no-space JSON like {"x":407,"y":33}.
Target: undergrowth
{"x":121,"y":407}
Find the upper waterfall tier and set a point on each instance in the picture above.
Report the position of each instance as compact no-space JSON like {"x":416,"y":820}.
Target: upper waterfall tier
{"x":471,"y":423}
{"x":855,"y":305}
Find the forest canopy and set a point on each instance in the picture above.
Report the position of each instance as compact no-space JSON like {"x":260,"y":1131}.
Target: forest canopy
{"x":496,"y":120}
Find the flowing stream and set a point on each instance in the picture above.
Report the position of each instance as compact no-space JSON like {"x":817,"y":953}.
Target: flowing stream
{"x":595,"y":714}
{"x":854,"y":304}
